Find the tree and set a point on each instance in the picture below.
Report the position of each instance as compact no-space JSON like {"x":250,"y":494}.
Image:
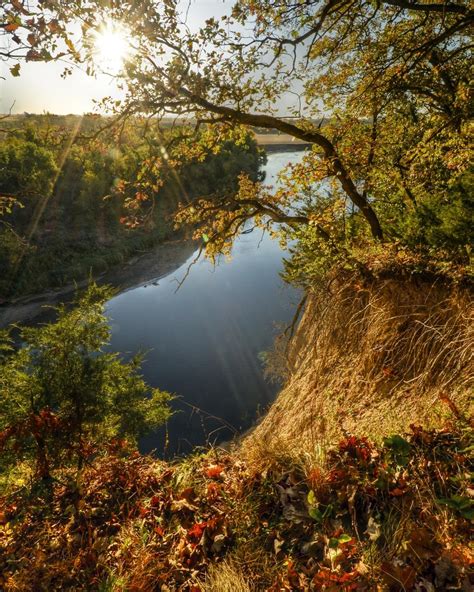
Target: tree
{"x":381,"y":95}
{"x":63,"y":397}
{"x":27,"y":171}
{"x":75,"y":202}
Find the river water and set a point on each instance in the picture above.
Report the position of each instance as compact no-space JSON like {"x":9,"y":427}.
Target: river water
{"x":204,"y":342}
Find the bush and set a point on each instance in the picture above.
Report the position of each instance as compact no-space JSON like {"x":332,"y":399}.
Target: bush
{"x":63,"y":398}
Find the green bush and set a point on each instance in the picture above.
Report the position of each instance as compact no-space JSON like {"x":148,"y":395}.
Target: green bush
{"x":64,"y":398}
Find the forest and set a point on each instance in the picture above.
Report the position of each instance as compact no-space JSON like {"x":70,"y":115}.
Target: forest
{"x":67,"y":213}
{"x":358,"y":475}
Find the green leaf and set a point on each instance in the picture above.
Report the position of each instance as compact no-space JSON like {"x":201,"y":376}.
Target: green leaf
{"x":468,"y":513}
{"x":333,"y":543}
{"x":399,"y":449}
{"x":396,"y":442}
{"x":311,"y":497}
{"x":315,"y":514}
{"x":463,"y":505}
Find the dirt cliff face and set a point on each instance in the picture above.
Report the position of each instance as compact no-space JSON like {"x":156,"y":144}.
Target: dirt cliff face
{"x":371,"y":360}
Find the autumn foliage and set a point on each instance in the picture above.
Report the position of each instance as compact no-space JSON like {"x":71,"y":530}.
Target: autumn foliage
{"x":380,"y":92}
{"x":389,"y":517}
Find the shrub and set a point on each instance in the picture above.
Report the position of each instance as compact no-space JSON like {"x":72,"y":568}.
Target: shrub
{"x":63,"y":397}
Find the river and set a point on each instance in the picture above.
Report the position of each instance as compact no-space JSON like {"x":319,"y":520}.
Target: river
{"x":204,"y":342}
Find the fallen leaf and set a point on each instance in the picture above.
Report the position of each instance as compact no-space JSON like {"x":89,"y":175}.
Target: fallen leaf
{"x":214,"y":471}
{"x":398,"y":577}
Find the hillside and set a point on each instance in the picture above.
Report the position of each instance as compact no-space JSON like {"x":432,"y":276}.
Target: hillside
{"x":391,"y":518}
{"x":339,"y":487}
{"x":370,"y":358}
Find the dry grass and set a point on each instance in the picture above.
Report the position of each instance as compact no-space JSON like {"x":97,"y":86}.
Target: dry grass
{"x":279,"y":455}
{"x":226,"y":577}
{"x":371,"y":360}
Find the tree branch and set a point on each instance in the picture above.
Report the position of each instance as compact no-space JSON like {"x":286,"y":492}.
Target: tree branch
{"x":443,"y":7}
{"x":312,"y":137}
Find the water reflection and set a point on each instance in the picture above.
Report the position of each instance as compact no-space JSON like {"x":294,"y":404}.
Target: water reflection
{"x":203,"y":342}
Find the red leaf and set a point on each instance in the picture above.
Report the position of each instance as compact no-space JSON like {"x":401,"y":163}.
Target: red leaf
{"x":195,"y":532}
{"x":188,"y":494}
{"x":155,"y":501}
{"x":397,"y":492}
{"x":398,"y":577}
{"x":213,"y":491}
{"x":214,"y":471}
{"x":11,"y":27}
{"x":143,"y":511}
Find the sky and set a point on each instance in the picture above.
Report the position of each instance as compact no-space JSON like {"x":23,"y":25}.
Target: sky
{"x":40,"y":87}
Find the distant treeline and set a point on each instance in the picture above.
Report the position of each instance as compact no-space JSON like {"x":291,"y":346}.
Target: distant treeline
{"x":70,"y":199}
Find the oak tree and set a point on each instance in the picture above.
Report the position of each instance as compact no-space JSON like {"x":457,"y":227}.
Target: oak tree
{"x":380,"y":91}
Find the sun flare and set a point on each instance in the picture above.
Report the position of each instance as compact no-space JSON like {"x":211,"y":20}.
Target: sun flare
{"x":112,"y":47}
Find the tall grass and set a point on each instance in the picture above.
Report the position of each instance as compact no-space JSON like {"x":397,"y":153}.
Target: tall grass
{"x":371,"y":359}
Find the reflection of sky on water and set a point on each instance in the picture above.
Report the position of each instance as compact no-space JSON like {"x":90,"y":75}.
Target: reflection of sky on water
{"x":204,"y":340}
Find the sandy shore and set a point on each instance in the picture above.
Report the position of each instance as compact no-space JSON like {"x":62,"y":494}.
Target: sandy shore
{"x":159,"y":262}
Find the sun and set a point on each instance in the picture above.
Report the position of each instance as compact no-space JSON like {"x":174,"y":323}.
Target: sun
{"x":112,"y":47}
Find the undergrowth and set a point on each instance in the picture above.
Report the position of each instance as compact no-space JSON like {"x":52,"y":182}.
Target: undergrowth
{"x":394,"y":516}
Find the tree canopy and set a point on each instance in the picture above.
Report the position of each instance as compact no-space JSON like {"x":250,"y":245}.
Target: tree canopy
{"x":379,"y":89}
{"x":74,"y":203}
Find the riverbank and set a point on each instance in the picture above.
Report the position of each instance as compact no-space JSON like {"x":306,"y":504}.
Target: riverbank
{"x":370,"y":360}
{"x":94,"y":210}
{"x":281,"y":143}
{"x":140,"y":269}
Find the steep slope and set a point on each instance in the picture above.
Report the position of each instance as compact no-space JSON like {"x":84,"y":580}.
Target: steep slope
{"x":372,"y":359}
